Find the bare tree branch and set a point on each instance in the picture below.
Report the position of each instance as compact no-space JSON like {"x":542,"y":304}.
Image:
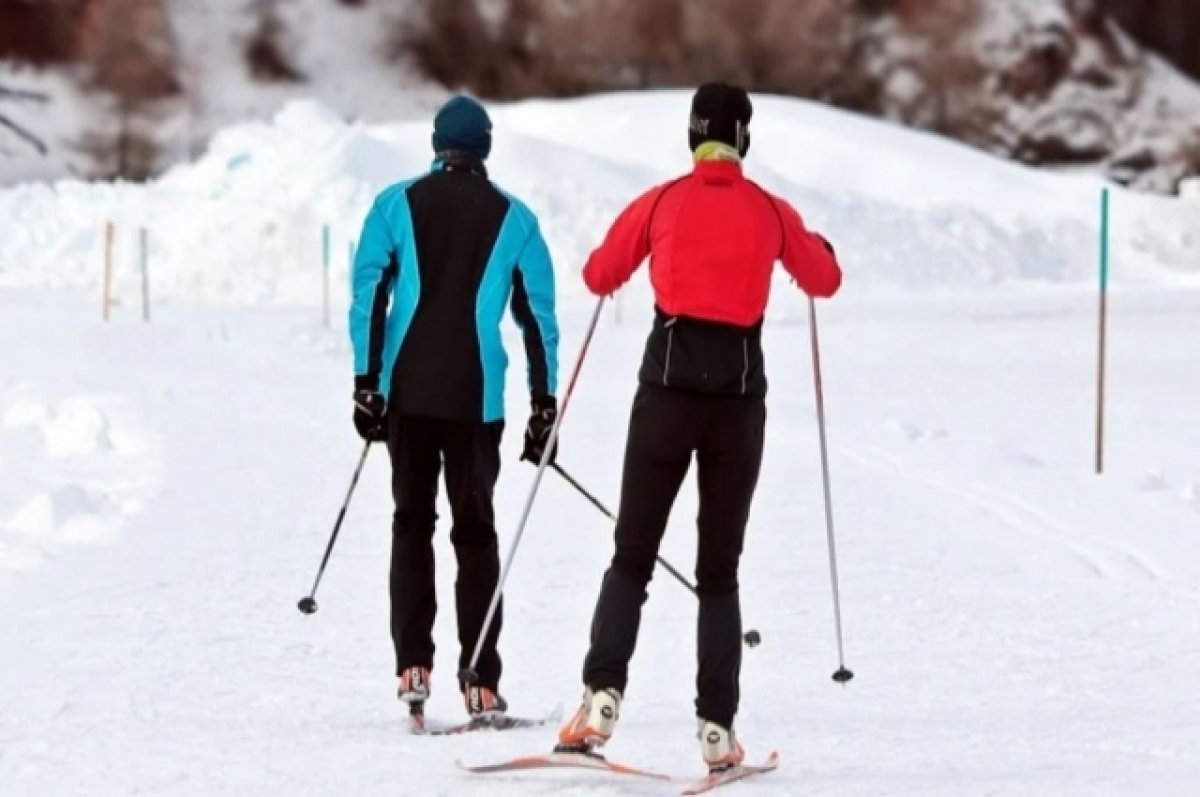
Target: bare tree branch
{"x":24,"y":134}
{"x":23,"y":94}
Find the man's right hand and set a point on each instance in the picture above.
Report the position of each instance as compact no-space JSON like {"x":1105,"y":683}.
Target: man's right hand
{"x":537,"y":433}
{"x":370,"y":412}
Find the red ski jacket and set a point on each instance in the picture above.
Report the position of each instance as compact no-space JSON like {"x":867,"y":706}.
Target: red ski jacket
{"x":713,"y":237}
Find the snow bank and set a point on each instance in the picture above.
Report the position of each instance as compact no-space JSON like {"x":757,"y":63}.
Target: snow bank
{"x":70,"y":476}
{"x":906,"y":210}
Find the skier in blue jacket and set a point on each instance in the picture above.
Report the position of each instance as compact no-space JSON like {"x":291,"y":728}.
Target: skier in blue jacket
{"x":440,"y":258}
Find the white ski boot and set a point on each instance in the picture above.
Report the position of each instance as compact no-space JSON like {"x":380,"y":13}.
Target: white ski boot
{"x":719,"y":746}
{"x":593,"y":722}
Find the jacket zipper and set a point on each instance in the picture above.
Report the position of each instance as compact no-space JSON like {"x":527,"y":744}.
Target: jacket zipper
{"x":667,"y":364}
{"x":745,"y":363}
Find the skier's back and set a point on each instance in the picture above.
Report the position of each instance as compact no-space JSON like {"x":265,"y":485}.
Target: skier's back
{"x":441,"y":257}
{"x":713,"y":238}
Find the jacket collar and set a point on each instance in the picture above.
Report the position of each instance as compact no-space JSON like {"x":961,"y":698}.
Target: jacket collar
{"x":719,"y":169}
{"x":716,"y":151}
{"x":458,"y":161}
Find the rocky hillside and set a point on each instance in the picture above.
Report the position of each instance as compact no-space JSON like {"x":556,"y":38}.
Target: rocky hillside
{"x":129,"y":86}
{"x":1051,"y":82}
{"x":101,"y":88}
{"x":1057,"y":83}
{"x":1169,"y":27}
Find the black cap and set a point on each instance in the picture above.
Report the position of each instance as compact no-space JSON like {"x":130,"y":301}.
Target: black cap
{"x":720,"y":112}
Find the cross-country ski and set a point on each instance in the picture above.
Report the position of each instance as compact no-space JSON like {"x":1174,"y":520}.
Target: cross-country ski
{"x":421,"y":725}
{"x":563,"y":760}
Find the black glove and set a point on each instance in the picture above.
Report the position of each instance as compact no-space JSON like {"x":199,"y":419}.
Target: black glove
{"x":369,"y":415}
{"x":537,"y":433}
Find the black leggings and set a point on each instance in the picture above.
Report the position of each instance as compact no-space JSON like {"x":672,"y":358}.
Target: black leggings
{"x":419,"y":447}
{"x":666,"y":428}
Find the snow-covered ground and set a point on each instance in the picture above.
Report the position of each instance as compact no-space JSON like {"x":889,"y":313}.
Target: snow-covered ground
{"x":1018,"y":626}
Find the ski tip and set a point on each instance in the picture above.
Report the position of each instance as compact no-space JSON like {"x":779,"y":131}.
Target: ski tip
{"x":738,"y":773}
{"x":469,"y":769}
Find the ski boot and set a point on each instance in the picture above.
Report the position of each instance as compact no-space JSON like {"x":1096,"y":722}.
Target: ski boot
{"x":719,"y":747}
{"x":414,"y":690}
{"x":593,"y":722}
{"x":483,"y":704}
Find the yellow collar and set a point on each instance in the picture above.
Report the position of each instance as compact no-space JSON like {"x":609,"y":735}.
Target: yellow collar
{"x":716,"y":151}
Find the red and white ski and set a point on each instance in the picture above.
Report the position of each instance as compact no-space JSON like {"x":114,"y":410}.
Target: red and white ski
{"x":592,"y":761}
{"x":740,"y":772}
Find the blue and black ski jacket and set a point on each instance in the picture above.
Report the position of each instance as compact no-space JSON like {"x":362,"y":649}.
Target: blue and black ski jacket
{"x":439,"y":260}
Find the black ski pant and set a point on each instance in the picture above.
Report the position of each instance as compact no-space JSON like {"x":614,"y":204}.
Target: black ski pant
{"x":470,"y":453}
{"x":665,"y":430}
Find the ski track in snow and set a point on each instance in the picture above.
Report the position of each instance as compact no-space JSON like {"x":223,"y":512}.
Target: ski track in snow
{"x":1019,"y":515}
{"x":1017,"y":625}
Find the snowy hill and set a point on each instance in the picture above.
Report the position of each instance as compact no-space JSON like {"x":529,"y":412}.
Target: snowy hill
{"x":1018,"y":625}
{"x":914,"y":210}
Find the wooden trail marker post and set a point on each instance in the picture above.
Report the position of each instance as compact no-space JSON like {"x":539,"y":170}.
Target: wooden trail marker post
{"x":106,"y":282}
{"x":144,"y":257}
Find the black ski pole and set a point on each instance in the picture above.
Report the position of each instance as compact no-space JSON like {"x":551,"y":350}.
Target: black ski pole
{"x":842,"y":675}
{"x":468,"y":675}
{"x":308,"y":604}
{"x":751,"y":637}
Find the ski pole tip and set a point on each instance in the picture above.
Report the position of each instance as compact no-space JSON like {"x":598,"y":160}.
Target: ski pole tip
{"x":307,"y":605}
{"x":752,"y":638}
{"x":842,"y":675}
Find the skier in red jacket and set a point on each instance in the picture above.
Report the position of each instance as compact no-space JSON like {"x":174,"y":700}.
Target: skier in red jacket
{"x":712,"y":237}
